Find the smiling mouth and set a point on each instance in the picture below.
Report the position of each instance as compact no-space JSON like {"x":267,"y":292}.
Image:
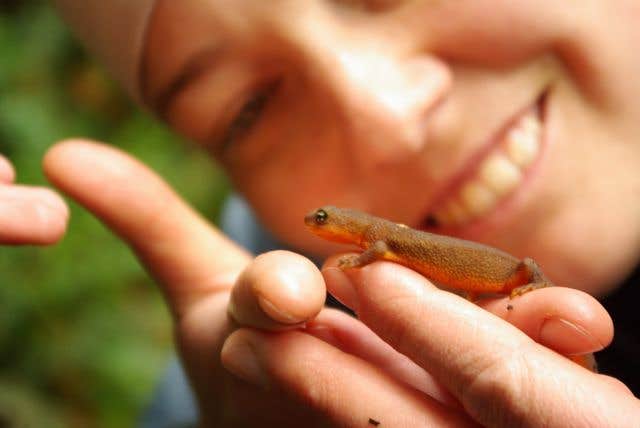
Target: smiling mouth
{"x":496,"y":175}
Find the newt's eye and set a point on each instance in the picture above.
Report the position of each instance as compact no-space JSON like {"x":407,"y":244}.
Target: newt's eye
{"x":321,"y":217}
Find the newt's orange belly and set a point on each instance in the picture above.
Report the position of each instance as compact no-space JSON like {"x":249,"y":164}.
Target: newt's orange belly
{"x":472,"y":278}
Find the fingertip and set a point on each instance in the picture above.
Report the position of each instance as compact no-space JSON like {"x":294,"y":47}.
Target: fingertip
{"x":288,"y":286}
{"x":61,"y":151}
{"x":340,"y":285}
{"x":278,"y":289}
{"x":7,"y":173}
{"x":116,"y":187}
{"x":54,"y":213}
{"x":566,"y":320}
{"x":31,"y":215}
{"x":616,"y":384}
{"x":68,"y":160}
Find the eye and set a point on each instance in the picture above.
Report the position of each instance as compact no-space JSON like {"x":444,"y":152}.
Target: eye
{"x":248,"y":115}
{"x":321,"y":217}
{"x":367,"y":5}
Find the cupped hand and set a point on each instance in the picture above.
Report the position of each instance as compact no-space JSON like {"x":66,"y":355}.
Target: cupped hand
{"x":213,"y":288}
{"x":499,"y":371}
{"x":29,"y":215}
{"x":293,"y":362}
{"x":501,"y":363}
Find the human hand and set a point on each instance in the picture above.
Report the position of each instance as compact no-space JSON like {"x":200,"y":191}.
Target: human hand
{"x":501,"y":375}
{"x":333,"y":372}
{"x":29,"y":215}
{"x":213,"y":287}
{"x":490,"y":371}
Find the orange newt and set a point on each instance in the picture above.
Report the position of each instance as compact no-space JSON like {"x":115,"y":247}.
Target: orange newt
{"x":454,"y":263}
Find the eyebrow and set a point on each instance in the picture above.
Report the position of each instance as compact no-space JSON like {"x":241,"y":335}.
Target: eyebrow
{"x":197,"y":65}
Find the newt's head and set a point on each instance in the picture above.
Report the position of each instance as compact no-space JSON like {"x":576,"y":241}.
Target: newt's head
{"x":338,"y":224}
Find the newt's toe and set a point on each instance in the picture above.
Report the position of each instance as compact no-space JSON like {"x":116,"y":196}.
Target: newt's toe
{"x":523,"y":289}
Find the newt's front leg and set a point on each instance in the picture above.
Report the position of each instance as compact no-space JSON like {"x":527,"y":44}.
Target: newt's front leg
{"x":370,"y":255}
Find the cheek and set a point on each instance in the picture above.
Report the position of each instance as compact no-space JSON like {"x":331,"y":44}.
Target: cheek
{"x":296,"y":177}
{"x":582,"y":227}
{"x":299,"y":160}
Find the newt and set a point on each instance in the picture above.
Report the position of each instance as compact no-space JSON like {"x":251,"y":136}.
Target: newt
{"x":451,"y":262}
{"x":454,"y":263}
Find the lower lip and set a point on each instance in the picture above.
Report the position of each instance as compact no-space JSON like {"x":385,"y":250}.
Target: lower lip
{"x":505,"y":209}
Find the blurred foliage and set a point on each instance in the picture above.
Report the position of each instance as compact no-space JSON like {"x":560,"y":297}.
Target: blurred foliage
{"x":83,"y":332}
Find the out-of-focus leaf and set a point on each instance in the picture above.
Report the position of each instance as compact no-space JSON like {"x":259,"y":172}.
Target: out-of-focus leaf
{"x":84,"y":334}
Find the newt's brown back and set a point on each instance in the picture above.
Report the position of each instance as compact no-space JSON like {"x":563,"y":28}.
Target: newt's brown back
{"x":455,"y":263}
{"x":452,"y":262}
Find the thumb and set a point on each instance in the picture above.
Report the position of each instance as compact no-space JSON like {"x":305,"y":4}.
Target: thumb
{"x":277,"y":290}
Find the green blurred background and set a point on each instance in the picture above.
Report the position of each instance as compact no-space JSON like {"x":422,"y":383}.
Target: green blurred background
{"x":84,"y":334}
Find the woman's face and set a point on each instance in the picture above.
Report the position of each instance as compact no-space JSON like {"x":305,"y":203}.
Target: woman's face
{"x":516,"y":124}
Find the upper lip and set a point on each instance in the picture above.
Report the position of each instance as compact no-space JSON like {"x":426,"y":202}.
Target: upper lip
{"x":469,"y":167}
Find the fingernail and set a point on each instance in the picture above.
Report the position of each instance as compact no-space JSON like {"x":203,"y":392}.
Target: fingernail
{"x":54,"y":203}
{"x":581,"y":339}
{"x":7,"y":173}
{"x":51,"y":211}
{"x":240,"y":358}
{"x":277,"y":314}
{"x":51,"y":214}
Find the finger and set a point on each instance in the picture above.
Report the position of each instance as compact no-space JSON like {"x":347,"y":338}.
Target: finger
{"x":500,"y":375}
{"x":347,"y":390}
{"x":188,"y":257}
{"x":568,"y":321}
{"x":7,"y":173}
{"x":279,"y":289}
{"x":31,"y":215}
{"x":351,"y":336}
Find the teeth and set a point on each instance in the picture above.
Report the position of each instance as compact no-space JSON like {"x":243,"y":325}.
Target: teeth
{"x":522,"y":146}
{"x":530,"y":123}
{"x":500,"y":174}
{"x":477,"y":198}
{"x":497,"y":176}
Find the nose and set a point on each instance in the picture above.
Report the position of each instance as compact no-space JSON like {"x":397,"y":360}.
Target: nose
{"x":382,"y":97}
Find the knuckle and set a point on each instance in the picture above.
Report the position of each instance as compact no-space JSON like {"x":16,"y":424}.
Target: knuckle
{"x":312,"y":378}
{"x":399,"y":318}
{"x":501,"y":389}
{"x":314,"y":387}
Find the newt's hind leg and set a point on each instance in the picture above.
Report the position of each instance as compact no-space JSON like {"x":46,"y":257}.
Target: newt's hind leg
{"x":370,"y":255}
{"x":537,"y":278}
